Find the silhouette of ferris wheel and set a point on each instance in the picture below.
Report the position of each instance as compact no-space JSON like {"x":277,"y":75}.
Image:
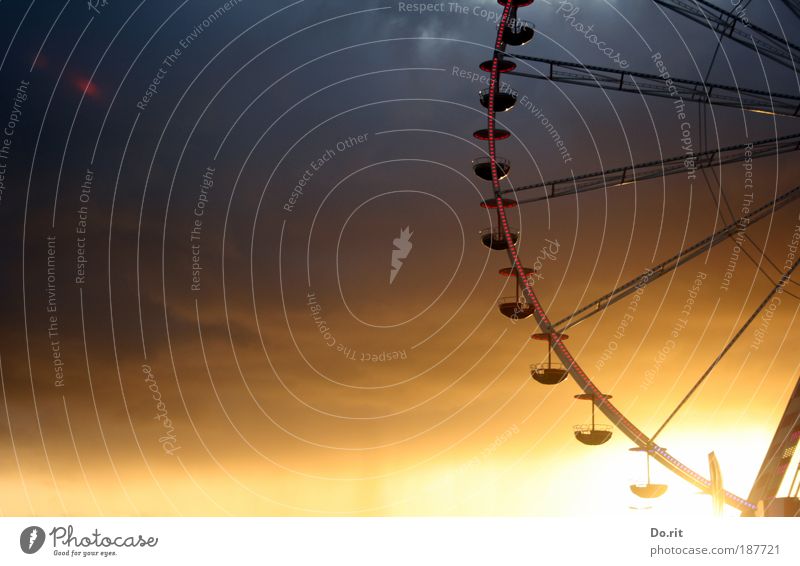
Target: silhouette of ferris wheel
{"x":728,"y":25}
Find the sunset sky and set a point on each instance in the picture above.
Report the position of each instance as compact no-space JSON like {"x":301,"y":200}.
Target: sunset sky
{"x":184,"y":332}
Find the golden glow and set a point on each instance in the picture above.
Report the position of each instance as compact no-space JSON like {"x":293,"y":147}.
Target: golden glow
{"x":767,"y":112}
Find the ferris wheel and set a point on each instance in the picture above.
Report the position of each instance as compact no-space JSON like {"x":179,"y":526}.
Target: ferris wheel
{"x":514,"y":32}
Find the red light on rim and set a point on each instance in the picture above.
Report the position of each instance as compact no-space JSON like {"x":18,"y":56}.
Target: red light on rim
{"x":499,"y":134}
{"x":492,"y":203}
{"x":515,"y":3}
{"x":511,"y":272}
{"x":592,"y":396}
{"x":503,"y":66}
{"x":544,"y":337}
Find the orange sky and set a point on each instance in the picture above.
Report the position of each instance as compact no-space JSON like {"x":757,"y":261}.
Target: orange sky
{"x":415,"y":398}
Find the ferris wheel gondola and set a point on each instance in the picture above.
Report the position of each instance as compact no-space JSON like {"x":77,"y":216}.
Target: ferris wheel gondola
{"x":504,"y":98}
{"x":495,"y":239}
{"x":647,"y":490}
{"x":593,"y":434}
{"x":482,"y":166}
{"x":518,"y":32}
{"x":516,"y":308}
{"x":514,"y":31}
{"x":549,"y":373}
{"x":492,"y":238}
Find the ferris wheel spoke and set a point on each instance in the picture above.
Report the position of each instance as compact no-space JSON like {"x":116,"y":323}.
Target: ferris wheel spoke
{"x":648,"y":84}
{"x":731,"y":25}
{"x":668,"y":265}
{"x":628,"y":175}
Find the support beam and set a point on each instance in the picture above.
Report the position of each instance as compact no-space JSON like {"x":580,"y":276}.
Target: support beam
{"x":630,"y":174}
{"x":657,"y":271}
{"x":780,"y":452}
{"x":738,"y":28}
{"x":794,"y":6}
{"x":662,"y":86}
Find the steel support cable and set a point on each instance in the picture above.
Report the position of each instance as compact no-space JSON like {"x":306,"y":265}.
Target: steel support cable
{"x":675,"y":261}
{"x":703,"y":112}
{"x":754,"y":100}
{"x":761,"y":269}
{"x":757,"y":264}
{"x":776,"y":289}
{"x":741,"y":30}
{"x":774,"y":266}
{"x":760,"y":250}
{"x":700,"y":107}
{"x":746,"y":236}
{"x":764,"y":271}
{"x":556,"y":342}
{"x":753,"y":243}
